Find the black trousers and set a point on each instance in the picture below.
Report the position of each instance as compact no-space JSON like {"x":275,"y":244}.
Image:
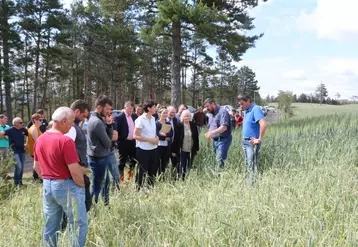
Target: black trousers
{"x":175,"y":161}
{"x":163,"y":154}
{"x":147,"y":166}
{"x":127,"y":152}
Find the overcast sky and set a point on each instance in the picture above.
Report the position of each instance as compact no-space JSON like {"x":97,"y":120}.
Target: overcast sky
{"x":305,"y":42}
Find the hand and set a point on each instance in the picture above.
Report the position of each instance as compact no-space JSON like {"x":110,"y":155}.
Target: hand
{"x":254,"y":141}
{"x":162,"y":134}
{"x":108,"y":120}
{"x":156,"y":140}
{"x":209,"y":134}
{"x":174,"y":154}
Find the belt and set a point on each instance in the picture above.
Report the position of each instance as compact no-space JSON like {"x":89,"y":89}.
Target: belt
{"x":247,"y":139}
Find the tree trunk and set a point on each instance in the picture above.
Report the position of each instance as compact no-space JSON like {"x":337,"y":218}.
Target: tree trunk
{"x":6,"y":50}
{"x":1,"y":78}
{"x":37,"y":67}
{"x":47,"y":60}
{"x":175,"y":64}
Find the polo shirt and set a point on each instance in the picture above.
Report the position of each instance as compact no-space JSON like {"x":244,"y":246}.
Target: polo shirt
{"x":251,"y":126}
{"x":4,"y":142}
{"x":148,"y":130}
{"x":220,"y":118}
{"x":17,"y":139}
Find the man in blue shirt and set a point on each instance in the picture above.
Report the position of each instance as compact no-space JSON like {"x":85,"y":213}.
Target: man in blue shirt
{"x":219,"y":130}
{"x":253,"y":131}
{"x":17,"y":137}
{"x":4,"y":142}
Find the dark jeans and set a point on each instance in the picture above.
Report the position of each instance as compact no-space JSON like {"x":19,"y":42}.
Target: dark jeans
{"x":185,"y":163}
{"x":147,"y":160}
{"x":19,"y":167}
{"x":174,"y":161}
{"x":100,"y":178}
{"x":127,"y":151}
{"x":163,"y":153}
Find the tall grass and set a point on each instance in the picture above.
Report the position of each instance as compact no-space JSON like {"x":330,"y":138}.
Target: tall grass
{"x":306,"y":195}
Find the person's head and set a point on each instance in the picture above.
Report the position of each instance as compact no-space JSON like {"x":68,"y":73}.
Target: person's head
{"x":245,"y":101}
{"x":233,"y":112}
{"x":3,"y":119}
{"x":139,"y":110}
{"x":63,"y":119}
{"x":81,"y":109}
{"x":163,"y":113}
{"x":128,"y":107}
{"x":37,"y":119}
{"x":150,"y":107}
{"x":200,"y":109}
{"x":41,"y":112}
{"x":49,"y":126}
{"x":171,"y":112}
{"x":185,"y":116}
{"x":18,"y":123}
{"x":103,"y":105}
{"x":210,"y":105}
{"x":158,"y":106}
{"x":181,"y":108}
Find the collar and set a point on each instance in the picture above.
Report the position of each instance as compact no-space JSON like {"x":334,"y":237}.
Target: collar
{"x":251,"y":107}
{"x":127,"y":115}
{"x":217,"y":109}
{"x":99,"y":116}
{"x":77,"y":121}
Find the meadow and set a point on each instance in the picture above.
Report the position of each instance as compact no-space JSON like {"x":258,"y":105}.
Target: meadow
{"x":305,"y":195}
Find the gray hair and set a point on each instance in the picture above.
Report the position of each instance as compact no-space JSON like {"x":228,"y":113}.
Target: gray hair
{"x":128,"y":103}
{"x":15,"y":120}
{"x":61,"y":113}
{"x":209,"y":101}
{"x":185,"y":113}
{"x":171,"y":108}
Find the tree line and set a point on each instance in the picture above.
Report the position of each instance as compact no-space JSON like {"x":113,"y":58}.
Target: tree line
{"x":172,"y":51}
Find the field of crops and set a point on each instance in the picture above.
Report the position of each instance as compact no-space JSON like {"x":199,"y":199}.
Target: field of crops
{"x":306,"y":195}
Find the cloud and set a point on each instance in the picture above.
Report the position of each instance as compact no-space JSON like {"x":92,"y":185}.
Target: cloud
{"x":294,"y":74}
{"x":332,"y":19}
{"x":304,"y":75}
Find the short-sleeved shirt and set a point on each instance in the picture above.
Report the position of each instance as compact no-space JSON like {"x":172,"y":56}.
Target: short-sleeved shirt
{"x":148,"y":130}
{"x":17,"y":139}
{"x":4,"y":142}
{"x":54,"y":152}
{"x":251,"y":126}
{"x":220,"y":118}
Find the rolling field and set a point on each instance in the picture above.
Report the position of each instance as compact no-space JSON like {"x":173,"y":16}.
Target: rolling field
{"x":305,"y":195}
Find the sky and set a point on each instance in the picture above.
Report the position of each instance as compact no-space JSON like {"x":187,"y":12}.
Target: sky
{"x":305,"y":43}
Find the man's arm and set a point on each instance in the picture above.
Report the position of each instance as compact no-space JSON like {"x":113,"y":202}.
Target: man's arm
{"x":37,"y":168}
{"x":103,"y":135}
{"x":2,"y":134}
{"x":115,"y":135}
{"x":263,"y":128}
{"x":77,"y":173}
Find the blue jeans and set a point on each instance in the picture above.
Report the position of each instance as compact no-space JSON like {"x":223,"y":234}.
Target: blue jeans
{"x":100,"y":178}
{"x":19,"y":167}
{"x":113,"y":167}
{"x":251,"y":155}
{"x":221,"y":148}
{"x":64,"y":197}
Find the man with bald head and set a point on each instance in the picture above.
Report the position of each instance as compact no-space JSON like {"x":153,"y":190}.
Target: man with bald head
{"x":16,"y":135}
{"x":57,"y":161}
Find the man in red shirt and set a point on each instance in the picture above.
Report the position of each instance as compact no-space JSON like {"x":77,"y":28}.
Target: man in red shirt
{"x":63,"y":184}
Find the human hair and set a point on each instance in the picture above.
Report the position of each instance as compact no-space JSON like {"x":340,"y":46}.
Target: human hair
{"x":62,"y":112}
{"x":170,"y":108}
{"x":139,"y":106}
{"x":15,"y":120}
{"x":128,"y":103}
{"x":103,"y":100}
{"x":162,"y":109}
{"x":80,"y":105}
{"x":209,"y":101}
{"x":40,"y":111}
{"x":185,"y":113}
{"x":147,"y":105}
{"x":36,"y":116}
{"x":244,"y":97}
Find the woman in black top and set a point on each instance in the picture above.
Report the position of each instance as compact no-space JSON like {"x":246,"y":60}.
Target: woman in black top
{"x":186,"y":142}
{"x":163,"y":151}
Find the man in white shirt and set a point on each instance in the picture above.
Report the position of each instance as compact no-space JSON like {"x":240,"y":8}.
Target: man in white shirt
{"x":146,"y":143}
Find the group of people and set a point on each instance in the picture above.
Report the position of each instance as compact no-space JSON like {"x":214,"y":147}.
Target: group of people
{"x":152,"y":137}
